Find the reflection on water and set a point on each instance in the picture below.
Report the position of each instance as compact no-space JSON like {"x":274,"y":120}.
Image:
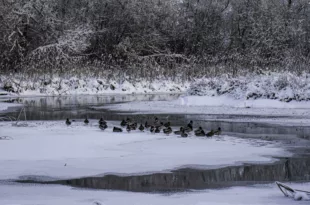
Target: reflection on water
{"x":77,"y":107}
{"x":286,"y":169}
{"x":88,"y":100}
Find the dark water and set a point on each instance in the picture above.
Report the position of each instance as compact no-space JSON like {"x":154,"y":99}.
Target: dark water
{"x":286,"y":169}
{"x":77,"y":107}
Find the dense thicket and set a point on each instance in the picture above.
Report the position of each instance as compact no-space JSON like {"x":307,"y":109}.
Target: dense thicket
{"x":151,"y":38}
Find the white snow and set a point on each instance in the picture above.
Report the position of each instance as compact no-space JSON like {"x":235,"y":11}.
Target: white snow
{"x":44,"y":148}
{"x":301,"y":196}
{"x":28,"y":194}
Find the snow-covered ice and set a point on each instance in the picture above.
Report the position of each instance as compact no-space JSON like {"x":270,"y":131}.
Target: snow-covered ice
{"x":301,"y":196}
{"x":225,"y":101}
{"x":5,"y":106}
{"x":216,"y":106}
{"x":28,"y":194}
{"x":43,"y":148}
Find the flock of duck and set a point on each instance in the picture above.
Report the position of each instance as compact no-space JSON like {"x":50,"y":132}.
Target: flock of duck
{"x":155,"y":127}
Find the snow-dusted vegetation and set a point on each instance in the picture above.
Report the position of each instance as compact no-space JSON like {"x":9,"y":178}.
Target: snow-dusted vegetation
{"x":275,"y":86}
{"x":89,"y":85}
{"x":51,"y":42}
{"x":230,"y":61}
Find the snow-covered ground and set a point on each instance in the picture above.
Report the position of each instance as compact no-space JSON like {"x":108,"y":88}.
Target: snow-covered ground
{"x":221,"y":105}
{"x":28,"y":194}
{"x":56,"y":150}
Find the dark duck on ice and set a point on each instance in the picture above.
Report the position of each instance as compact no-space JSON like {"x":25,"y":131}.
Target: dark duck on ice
{"x":117,"y":129}
{"x":86,"y":121}
{"x":68,"y":122}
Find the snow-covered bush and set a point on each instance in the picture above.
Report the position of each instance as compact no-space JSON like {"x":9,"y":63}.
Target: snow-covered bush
{"x":281,"y":86}
{"x":87,"y":85}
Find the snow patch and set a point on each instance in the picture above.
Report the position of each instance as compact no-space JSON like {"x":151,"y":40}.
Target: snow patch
{"x":301,"y":196}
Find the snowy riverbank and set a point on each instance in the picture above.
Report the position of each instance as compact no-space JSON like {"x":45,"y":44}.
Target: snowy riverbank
{"x":284,"y":87}
{"x":18,"y":86}
{"x":56,"y":150}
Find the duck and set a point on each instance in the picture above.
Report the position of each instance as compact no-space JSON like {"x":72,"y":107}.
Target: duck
{"x":168,"y":130}
{"x":102,"y":121}
{"x":68,"y":122}
{"x":141,"y":128}
{"x":146,"y":125}
{"x":128,"y":120}
{"x":103,"y":126}
{"x":160,"y":125}
{"x":178,"y":132}
{"x":190,"y":125}
{"x":183,"y":134}
{"x":188,"y":129}
{"x":210,"y":134}
{"x":167,"y":124}
{"x":123,"y":123}
{"x":152,"y":130}
{"x":156,"y":120}
{"x":198,"y":130}
{"x":218,"y":131}
{"x":117,"y":129}
{"x":128,"y":128}
{"x":86,"y":121}
{"x":201,"y":133}
{"x":157,"y":130}
{"x":133,"y":126}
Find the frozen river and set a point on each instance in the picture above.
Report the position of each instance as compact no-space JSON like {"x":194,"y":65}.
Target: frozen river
{"x":48,"y":150}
